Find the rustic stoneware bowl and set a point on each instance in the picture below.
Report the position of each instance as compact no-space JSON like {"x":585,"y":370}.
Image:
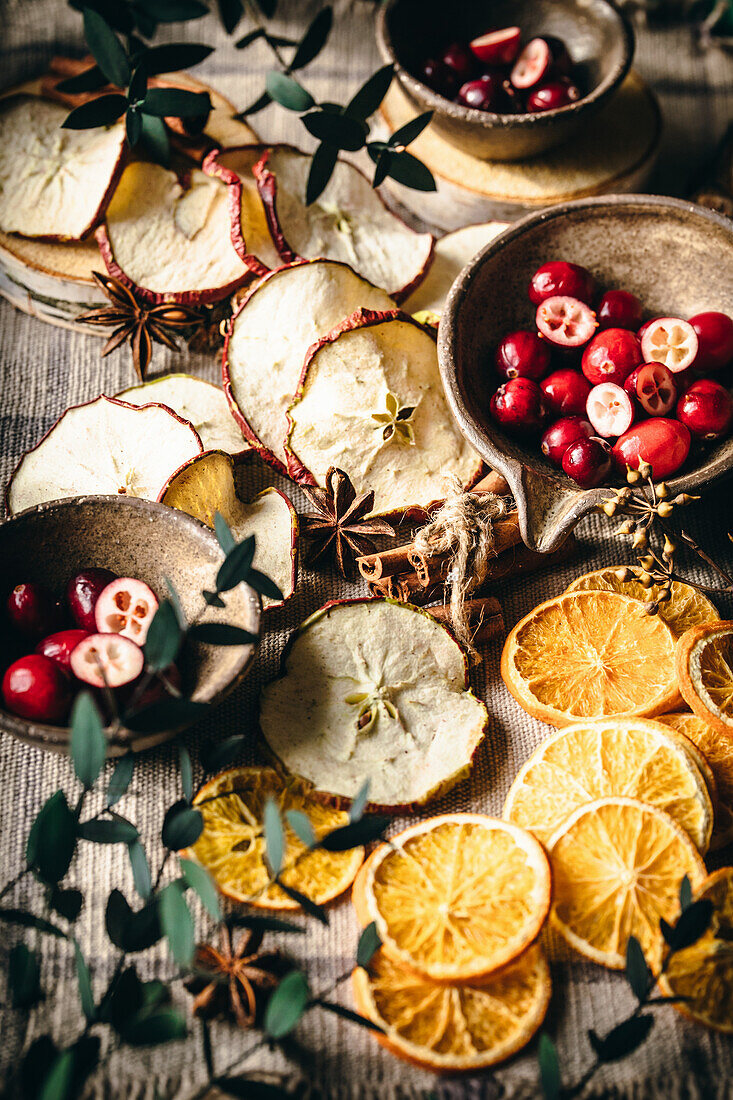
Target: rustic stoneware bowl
{"x":678,"y":259}
{"x":598,"y":37}
{"x":135,"y":538}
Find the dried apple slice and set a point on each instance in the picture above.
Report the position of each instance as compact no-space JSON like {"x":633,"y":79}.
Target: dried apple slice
{"x":349,"y":222}
{"x":104,"y":446}
{"x":452,"y":253}
{"x":371,"y":403}
{"x":377,"y":690}
{"x":205,"y":486}
{"x":168,"y":237}
{"x":54,"y":183}
{"x":249,"y":229}
{"x":200,"y":402}
{"x":283,"y":314}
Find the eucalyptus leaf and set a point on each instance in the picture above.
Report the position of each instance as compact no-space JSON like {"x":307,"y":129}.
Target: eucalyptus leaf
{"x":411,"y":172}
{"x":222,"y":634}
{"x":102,"y":111}
{"x":236,"y":565}
{"x":339,"y":130}
{"x":216,"y":757}
{"x":117,"y":918}
{"x":314,"y":39}
{"x":29,"y":920}
{"x":106,"y":48}
{"x":623,"y":1039}
{"x":59,"y":1080}
{"x":637,"y":971}
{"x":85,"y":984}
{"x":257,"y":105}
{"x":133,"y":127}
{"x":41,"y":1053}
{"x":67,"y":903}
{"x":52,"y":839}
{"x":24,"y":976}
{"x":286,"y":1005}
{"x":230,"y":12}
{"x":247,"y":39}
{"x":177,"y":923}
{"x":274,"y":836}
{"x":167,"y":714}
{"x":176,"y":601}
{"x":154,"y":138}
{"x":245,"y":1088}
{"x":121,"y":778}
{"x":153,"y":1028}
{"x":176,"y":102}
{"x":88,"y":745}
{"x":301,"y":826}
{"x":176,"y":11}
{"x":354,"y":834}
{"x":213,"y":599}
{"x":186,"y":771}
{"x":264,"y":585}
{"x":173,"y":56}
{"x":369,"y":943}
{"x":182,"y":826}
{"x":90,"y":80}
{"x":260,"y":923}
{"x":685,"y":893}
{"x":140,"y":869}
{"x":370,"y":95}
{"x":201,"y":882}
{"x":349,"y":1014}
{"x":358,"y":803}
{"x":138,"y":84}
{"x":323,"y":163}
{"x":144,"y":21}
{"x":305,"y":903}
{"x":122,"y":1000}
{"x":692,"y":923}
{"x":550,"y":1079}
{"x":384,"y":163}
{"x":410,"y":130}
{"x":163,"y":639}
{"x":103,"y":831}
{"x":288,"y":93}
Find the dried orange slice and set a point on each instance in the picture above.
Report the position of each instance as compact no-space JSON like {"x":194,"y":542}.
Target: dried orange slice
{"x":686,"y":606}
{"x":590,"y":655}
{"x":456,"y":897}
{"x":617,"y":865}
{"x":717,"y":749}
{"x":232,"y":844}
{"x":611,"y":756}
{"x":703,"y":973}
{"x":454,"y":1028}
{"x":704,"y":663}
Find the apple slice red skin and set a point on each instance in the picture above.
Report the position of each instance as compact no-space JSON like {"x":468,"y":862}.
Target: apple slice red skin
{"x":212,"y":167}
{"x":362,"y":318}
{"x":341,"y":802}
{"x":267,"y":185}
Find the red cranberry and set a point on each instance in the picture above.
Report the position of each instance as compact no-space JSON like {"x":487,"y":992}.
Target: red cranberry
{"x":619,"y":309}
{"x":532,"y":65}
{"x":484,"y":94}
{"x":459,"y":58}
{"x":559,"y":277}
{"x":82,"y":593}
{"x":706,"y":409}
{"x":522,"y":355}
{"x":59,"y":646}
{"x":611,"y":356}
{"x":552,"y":96}
{"x":440,"y":78}
{"x":37,"y":688}
{"x":561,"y":434}
{"x":33,"y":611}
{"x":497,"y":47}
{"x":561,"y":61}
{"x":518,"y":405}
{"x":566,"y":322}
{"x":663,"y":443}
{"x":715,"y":340}
{"x":588,"y":462}
{"x":654,"y":387}
{"x":566,"y":392}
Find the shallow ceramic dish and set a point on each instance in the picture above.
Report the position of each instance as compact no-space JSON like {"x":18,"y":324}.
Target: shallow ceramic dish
{"x":598,"y":37}
{"x":135,"y":538}
{"x":678,"y":259}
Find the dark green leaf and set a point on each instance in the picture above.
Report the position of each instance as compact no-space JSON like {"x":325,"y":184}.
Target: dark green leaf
{"x":286,"y":1005}
{"x":637,"y":972}
{"x":354,"y":834}
{"x":267,"y":7}
{"x":155,"y":140}
{"x":145,"y":24}
{"x":264,"y":585}
{"x":40,"y":1055}
{"x":410,"y":130}
{"x":305,"y":903}
{"x":202,"y":884}
{"x":288,"y":93}
{"x":349,"y":1014}
{"x":58,"y":1082}
{"x":133,"y":127}
{"x":339,"y":130}
{"x":263,"y":924}
{"x":230,"y":12}
{"x":176,"y":601}
{"x":685,"y":893}
{"x":24,"y":976}
{"x":369,"y":942}
{"x":89,"y":81}
{"x":102,"y":111}
{"x":411,"y":172}
{"x":257,"y":105}
{"x":117,"y":918}
{"x":384,"y":163}
{"x":67,"y":903}
{"x":88,"y":744}
{"x":274,"y":836}
{"x":122,"y":1000}
{"x":218,"y":756}
{"x":138,"y":84}
{"x":236,"y":565}
{"x":103,"y":831}
{"x":301,"y":826}
{"x":106,"y":48}
{"x":224,"y":535}
{"x":52,"y":839}
{"x":168,"y":714}
{"x":28,"y":920}
{"x":86,"y":1058}
{"x":164,"y":638}
{"x":176,"y":11}
{"x":370,"y":95}
{"x":313,"y":40}
{"x":248,"y":39}
{"x":221,"y":634}
{"x":182,"y":826}
{"x":174,"y":56}
{"x":321,"y":170}
{"x":549,"y":1068}
{"x":134,"y":931}
{"x":692,"y":923}
{"x":359,"y":801}
{"x":117,"y":15}
{"x":622,"y":1039}
{"x":140,"y":869}
{"x":121,"y":778}
{"x":186,"y":769}
{"x":245,"y":1088}
{"x":177,"y":923}
{"x":156,"y":1027}
{"x":177,"y":102}
{"x":85,"y":984}
{"x":213,"y":599}
{"x":155,"y":994}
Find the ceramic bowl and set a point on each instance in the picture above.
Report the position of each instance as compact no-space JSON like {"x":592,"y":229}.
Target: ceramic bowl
{"x":599,"y":38}
{"x":678,"y":259}
{"x":134,"y":538}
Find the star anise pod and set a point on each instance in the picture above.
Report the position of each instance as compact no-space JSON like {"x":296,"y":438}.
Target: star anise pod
{"x":138,"y":322}
{"x":339,"y":525}
{"x":232,"y":981}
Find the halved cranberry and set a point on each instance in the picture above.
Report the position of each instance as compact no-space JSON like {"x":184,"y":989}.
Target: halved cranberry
{"x":619,"y":309}
{"x":560,"y":277}
{"x":459,"y":58}
{"x":714,"y":340}
{"x":484,"y":94}
{"x":552,"y":96}
{"x":522,"y":355}
{"x":654,"y":387}
{"x":609,"y":410}
{"x":566,"y":392}
{"x":126,"y":606}
{"x":670,"y":341}
{"x":518,"y":405}
{"x":33,"y":611}
{"x":532,"y":64}
{"x":565,"y":321}
{"x":706,"y":409}
{"x":497,"y":47}
{"x":107,"y":660}
{"x":440,"y":78}
{"x":588,"y":462}
{"x":561,"y":434}
{"x":37,"y":688}
{"x":611,"y":356}
{"x":663,"y":443}
{"x":59,"y":646}
{"x":82,"y":593}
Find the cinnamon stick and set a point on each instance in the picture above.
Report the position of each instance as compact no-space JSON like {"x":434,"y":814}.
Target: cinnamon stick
{"x":493,"y":482}
{"x":485,"y":618}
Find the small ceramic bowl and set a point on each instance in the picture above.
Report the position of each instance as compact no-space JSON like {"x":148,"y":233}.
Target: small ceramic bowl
{"x":134,"y":538}
{"x":599,"y":38}
{"x":675,"y":256}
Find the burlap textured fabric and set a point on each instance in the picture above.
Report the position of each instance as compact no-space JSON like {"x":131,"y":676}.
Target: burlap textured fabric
{"x":43,"y":370}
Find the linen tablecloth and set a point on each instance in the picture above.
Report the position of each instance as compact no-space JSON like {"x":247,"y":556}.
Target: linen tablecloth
{"x":42,"y":371}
